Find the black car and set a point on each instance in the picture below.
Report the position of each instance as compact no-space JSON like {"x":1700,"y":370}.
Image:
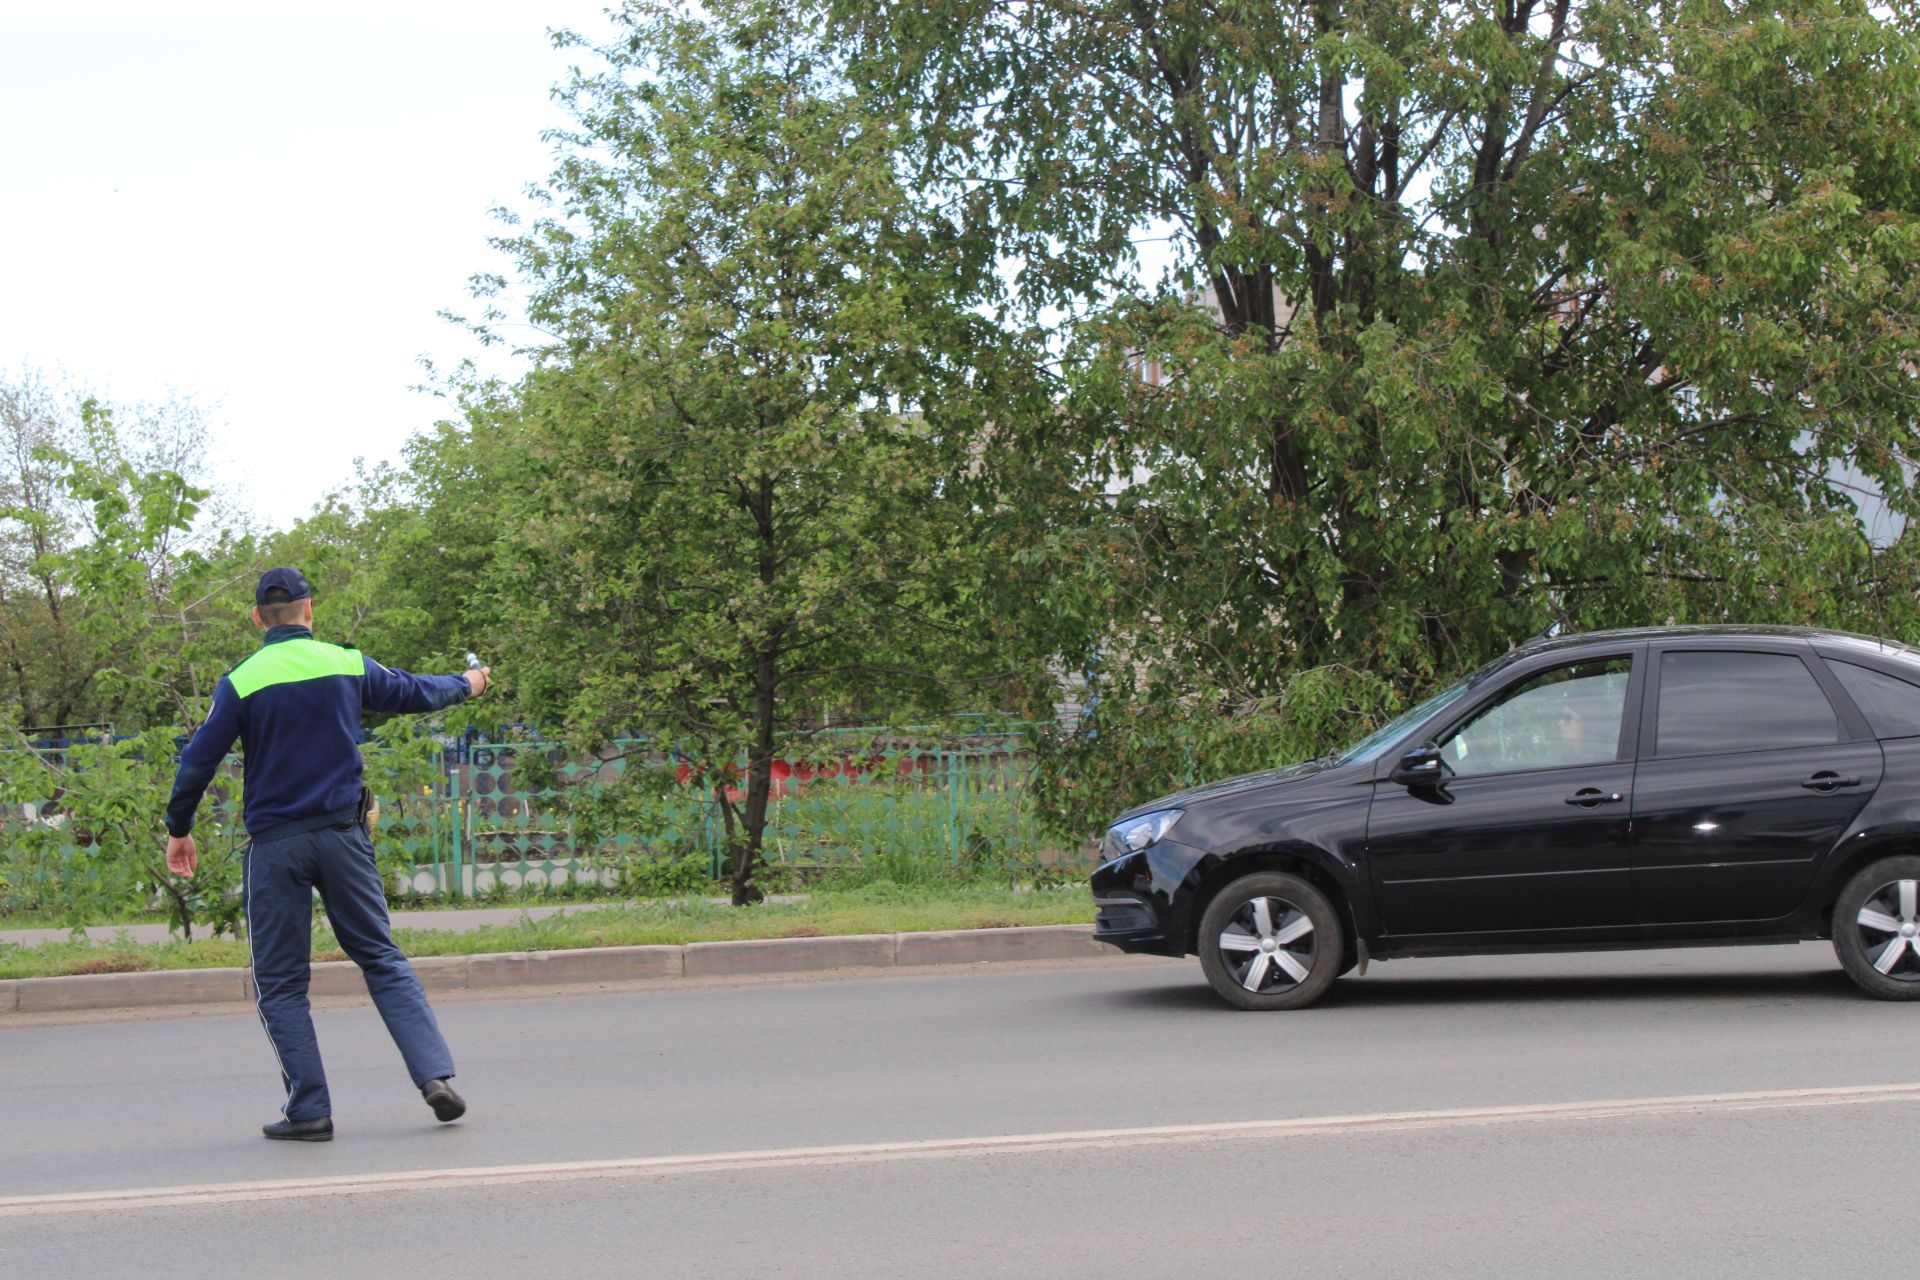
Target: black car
{"x":1640,"y":788}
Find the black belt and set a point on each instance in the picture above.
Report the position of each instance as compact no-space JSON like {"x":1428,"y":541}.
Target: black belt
{"x":301,"y":826}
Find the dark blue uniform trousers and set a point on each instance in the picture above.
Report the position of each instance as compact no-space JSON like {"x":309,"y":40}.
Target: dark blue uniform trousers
{"x":281,"y":877}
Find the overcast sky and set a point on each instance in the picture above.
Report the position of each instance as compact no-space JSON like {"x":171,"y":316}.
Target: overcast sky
{"x":265,"y":213}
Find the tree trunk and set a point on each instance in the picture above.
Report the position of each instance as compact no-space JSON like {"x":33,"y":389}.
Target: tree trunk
{"x":736,"y":849}
{"x":759,"y":779}
{"x":766,"y":683}
{"x":182,"y":911}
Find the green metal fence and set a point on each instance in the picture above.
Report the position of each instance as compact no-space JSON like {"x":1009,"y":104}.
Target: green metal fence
{"x":839,"y":796}
{"x":849,"y":797}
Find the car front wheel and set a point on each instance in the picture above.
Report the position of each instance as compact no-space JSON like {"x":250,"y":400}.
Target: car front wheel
{"x":1876,"y":928}
{"x":1270,"y":941}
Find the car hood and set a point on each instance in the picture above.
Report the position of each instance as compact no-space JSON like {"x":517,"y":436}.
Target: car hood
{"x":1232,"y":786}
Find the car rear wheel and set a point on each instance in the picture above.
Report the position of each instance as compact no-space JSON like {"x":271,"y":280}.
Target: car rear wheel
{"x":1270,"y":941}
{"x":1876,"y":929}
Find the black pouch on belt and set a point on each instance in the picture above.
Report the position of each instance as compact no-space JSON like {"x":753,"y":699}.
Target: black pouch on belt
{"x":361,"y":810}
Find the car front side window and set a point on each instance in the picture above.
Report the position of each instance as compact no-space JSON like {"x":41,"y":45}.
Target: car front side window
{"x":1569,"y":715}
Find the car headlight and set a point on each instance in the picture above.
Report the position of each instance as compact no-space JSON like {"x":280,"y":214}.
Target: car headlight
{"x":1138,"y":832}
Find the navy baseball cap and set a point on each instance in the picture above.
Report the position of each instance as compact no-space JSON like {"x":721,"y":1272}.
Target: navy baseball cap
{"x":291,"y":581}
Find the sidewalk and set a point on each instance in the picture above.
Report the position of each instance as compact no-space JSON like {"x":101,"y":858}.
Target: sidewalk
{"x":459,"y":920}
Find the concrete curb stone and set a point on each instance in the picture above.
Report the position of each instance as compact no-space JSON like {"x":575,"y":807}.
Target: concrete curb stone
{"x":444,"y":973}
{"x":965,"y":946}
{"x":591,"y":964}
{"x":127,"y":990}
{"x":789,"y":955}
{"x":560,"y":968}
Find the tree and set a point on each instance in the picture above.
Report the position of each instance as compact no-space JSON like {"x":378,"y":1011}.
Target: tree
{"x":1482,"y":318}
{"x":46,"y":675}
{"x":112,"y":564}
{"x":139,"y":603}
{"x":126,"y":607}
{"x":719,"y":488}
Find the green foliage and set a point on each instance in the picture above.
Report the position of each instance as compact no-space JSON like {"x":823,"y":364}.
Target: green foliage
{"x":101,"y":855}
{"x":120,"y":583}
{"x":48,"y":676}
{"x":901,"y":867}
{"x":679,"y":877}
{"x":1479,"y":319}
{"x":1140,"y":743}
{"x":402,"y":762}
{"x":718,"y":492}
{"x":161,"y":648}
{"x":135,"y":599}
{"x":640,"y":815}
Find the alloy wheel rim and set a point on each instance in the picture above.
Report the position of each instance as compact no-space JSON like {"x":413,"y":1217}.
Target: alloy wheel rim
{"x":1889,"y":924}
{"x":1268,"y":945}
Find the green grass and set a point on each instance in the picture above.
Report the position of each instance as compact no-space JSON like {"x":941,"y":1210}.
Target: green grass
{"x":880,"y":907}
{"x":54,"y":920}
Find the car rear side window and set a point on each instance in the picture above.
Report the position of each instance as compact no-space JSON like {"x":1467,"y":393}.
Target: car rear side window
{"x":1890,"y":704}
{"x":1718,"y":702}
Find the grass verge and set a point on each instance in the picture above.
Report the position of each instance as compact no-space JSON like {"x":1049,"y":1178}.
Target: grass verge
{"x":875,"y":908}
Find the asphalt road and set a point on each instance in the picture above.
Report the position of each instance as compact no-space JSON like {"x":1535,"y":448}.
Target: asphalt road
{"x":941,"y":1068}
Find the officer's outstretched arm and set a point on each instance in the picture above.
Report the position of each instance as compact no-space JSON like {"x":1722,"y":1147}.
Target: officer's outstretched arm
{"x":391,"y":689}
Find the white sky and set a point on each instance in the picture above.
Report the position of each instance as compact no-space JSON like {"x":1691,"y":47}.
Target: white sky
{"x":263,"y":207}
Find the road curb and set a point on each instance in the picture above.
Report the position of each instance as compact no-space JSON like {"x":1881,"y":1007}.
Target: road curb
{"x":587,"y":965}
{"x":790,"y":955}
{"x":972,"y":946}
{"x":556,"y":968}
{"x":130,"y":990}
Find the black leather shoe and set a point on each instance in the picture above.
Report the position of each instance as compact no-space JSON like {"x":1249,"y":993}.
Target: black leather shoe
{"x":446,"y":1104}
{"x":320,"y":1130}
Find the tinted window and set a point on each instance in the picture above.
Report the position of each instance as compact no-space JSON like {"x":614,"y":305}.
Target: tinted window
{"x":1891,"y":705}
{"x":1569,"y":715}
{"x":1716,"y":702}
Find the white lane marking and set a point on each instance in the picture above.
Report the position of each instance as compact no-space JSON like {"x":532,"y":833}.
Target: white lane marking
{"x":938,"y":1148}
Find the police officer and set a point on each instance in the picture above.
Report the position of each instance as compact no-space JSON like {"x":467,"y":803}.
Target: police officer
{"x":295,"y":707}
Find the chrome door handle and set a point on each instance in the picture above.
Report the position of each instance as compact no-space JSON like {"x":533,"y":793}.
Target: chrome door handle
{"x":1827,"y":780}
{"x":1589,"y":797}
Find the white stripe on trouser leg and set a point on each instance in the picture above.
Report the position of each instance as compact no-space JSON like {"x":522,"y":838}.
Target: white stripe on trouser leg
{"x":286,"y":1081}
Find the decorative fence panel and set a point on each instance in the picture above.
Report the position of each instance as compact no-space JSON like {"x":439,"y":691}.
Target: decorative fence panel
{"x":837,"y":796}
{"x":953,"y":798}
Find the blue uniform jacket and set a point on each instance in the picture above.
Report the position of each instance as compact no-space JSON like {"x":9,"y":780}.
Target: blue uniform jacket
{"x":295,"y":707}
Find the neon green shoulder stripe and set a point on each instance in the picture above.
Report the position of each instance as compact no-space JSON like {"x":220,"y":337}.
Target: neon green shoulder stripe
{"x":291,"y":661}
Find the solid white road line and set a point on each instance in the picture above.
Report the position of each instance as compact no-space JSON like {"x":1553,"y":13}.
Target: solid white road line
{"x":940,"y":1148}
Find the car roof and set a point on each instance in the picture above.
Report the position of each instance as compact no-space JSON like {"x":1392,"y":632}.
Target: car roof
{"x":1730,"y":631}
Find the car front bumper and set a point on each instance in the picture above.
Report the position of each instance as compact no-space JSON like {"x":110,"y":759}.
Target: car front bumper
{"x":1127,"y":913}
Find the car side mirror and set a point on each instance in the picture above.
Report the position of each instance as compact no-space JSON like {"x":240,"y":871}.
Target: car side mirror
{"x":1420,"y":767}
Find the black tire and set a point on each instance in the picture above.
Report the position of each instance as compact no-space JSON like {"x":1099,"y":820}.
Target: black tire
{"x":1292,"y":972}
{"x":1882,"y":952}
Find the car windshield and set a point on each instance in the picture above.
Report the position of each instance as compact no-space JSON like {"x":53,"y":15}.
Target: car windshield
{"x":1376,"y":743}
